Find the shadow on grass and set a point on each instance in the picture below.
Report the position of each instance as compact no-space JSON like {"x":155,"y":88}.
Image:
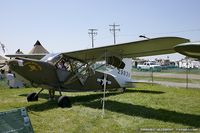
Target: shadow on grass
{"x":93,"y":101}
{"x":144,"y":91}
{"x":42,"y":106}
{"x":92,"y":96}
{"x":41,"y":95}
{"x":149,"y":113}
{"x":74,"y":100}
{"x":78,"y":99}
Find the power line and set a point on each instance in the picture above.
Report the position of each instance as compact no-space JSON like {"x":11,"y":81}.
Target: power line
{"x":92,"y":34}
{"x":113,"y":30}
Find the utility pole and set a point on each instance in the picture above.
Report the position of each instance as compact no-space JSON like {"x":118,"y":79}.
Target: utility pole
{"x":92,"y":34}
{"x":187,"y":71}
{"x":3,"y":47}
{"x":113,"y":30}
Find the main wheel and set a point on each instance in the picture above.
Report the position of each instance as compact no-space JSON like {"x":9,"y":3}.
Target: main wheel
{"x":123,"y":89}
{"x":64,"y":101}
{"x":32,"y":97}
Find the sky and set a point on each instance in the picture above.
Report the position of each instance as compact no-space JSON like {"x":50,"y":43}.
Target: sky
{"x":62,"y":25}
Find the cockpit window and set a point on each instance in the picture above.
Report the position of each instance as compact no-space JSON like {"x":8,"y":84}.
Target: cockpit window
{"x":51,"y":58}
{"x":79,"y":68}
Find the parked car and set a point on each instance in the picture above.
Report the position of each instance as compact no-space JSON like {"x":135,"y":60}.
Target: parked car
{"x":149,"y":66}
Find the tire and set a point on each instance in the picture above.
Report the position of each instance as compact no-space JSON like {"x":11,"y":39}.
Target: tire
{"x":64,"y":102}
{"x":123,"y":89}
{"x":32,"y":97}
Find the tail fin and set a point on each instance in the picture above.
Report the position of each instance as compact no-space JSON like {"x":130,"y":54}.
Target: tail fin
{"x":128,"y":66}
{"x":124,"y":73}
{"x":123,"y":76}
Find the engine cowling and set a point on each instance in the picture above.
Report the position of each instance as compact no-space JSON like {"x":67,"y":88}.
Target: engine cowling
{"x":116,"y":62}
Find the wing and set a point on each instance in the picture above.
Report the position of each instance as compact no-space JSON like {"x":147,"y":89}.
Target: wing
{"x":156,"y":46}
{"x":31,"y":56}
{"x":191,"y":49}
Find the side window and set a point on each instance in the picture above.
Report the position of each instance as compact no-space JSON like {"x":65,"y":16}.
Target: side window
{"x":64,"y":65}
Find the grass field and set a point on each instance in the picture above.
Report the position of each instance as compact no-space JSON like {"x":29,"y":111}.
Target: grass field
{"x":146,"y":106}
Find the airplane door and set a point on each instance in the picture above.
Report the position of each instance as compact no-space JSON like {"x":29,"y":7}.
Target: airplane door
{"x":62,"y":74}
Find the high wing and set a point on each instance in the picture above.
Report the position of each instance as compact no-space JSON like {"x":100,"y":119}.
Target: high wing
{"x":31,"y":56}
{"x":191,"y":49}
{"x":155,"y":46}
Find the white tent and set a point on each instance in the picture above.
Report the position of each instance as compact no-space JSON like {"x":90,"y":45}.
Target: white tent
{"x":38,"y":49}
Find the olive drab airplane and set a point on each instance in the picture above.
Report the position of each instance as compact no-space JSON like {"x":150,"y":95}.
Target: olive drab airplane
{"x":190,"y":49}
{"x":79,"y":70}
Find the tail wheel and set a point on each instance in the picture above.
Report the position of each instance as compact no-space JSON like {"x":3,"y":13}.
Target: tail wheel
{"x":64,"y":101}
{"x":32,"y":97}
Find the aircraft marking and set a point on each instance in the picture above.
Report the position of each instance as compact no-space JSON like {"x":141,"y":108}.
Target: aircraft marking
{"x":124,"y":72}
{"x":103,"y":81}
{"x":33,"y":66}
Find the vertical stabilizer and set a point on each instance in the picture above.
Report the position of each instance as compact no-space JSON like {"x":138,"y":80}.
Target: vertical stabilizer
{"x":128,"y":66}
{"x":123,"y":76}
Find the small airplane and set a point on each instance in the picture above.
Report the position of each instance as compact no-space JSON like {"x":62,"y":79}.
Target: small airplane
{"x":190,"y":49}
{"x":79,"y":71}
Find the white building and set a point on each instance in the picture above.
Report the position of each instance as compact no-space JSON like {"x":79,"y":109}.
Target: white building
{"x":189,"y":63}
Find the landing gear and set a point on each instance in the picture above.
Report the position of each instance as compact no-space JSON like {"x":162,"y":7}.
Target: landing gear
{"x":51,"y":95}
{"x":32,"y":97}
{"x":123,"y":89}
{"x":64,"y":101}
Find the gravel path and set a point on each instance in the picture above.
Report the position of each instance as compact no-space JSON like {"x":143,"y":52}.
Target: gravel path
{"x":170,"y":75}
{"x":172,"y":84}
{"x":167,"y":75}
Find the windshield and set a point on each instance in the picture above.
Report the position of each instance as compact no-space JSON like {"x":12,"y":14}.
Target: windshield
{"x":51,"y":57}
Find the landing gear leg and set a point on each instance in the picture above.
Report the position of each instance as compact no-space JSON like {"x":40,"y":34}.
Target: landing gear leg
{"x":60,"y":91}
{"x":51,"y":94}
{"x":33,"y":96}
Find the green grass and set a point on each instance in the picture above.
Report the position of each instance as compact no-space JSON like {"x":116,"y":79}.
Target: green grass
{"x":145,"y":106}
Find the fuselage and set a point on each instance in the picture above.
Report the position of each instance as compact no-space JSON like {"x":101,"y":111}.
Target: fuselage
{"x":77,"y":75}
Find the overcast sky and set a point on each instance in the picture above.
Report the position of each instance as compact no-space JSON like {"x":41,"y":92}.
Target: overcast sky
{"x":62,"y":25}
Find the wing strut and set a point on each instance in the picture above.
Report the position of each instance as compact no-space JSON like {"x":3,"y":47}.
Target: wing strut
{"x":90,"y":71}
